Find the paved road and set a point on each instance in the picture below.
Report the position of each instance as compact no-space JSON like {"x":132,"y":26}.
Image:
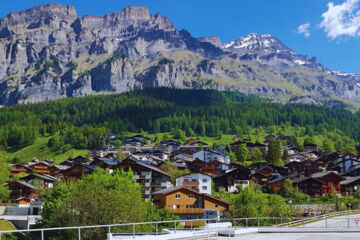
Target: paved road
{"x":350,"y":221}
{"x":296,"y":236}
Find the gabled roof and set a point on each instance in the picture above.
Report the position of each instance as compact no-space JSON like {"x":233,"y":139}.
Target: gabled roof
{"x":322,"y":174}
{"x":42,"y":176}
{"x":109,"y":161}
{"x":350,"y":180}
{"x":147,"y":166}
{"x":26,"y":185}
{"x":299,"y":180}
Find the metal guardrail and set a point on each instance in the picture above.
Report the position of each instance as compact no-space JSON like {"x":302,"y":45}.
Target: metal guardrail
{"x":236,"y":223}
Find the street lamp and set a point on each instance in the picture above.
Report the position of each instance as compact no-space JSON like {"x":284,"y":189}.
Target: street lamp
{"x":290,"y":203}
{"x":349,"y":207}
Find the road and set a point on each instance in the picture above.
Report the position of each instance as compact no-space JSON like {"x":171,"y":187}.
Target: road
{"x":296,"y":236}
{"x":350,"y":221}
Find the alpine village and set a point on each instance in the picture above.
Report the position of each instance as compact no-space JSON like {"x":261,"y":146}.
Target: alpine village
{"x":125,"y":119}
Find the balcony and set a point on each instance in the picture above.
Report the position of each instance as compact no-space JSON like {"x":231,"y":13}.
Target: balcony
{"x":147,"y":184}
{"x":188,"y":210}
{"x":190,"y":183}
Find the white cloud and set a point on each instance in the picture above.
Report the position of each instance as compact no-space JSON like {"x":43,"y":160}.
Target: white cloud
{"x":342,"y":20}
{"x":304,"y":29}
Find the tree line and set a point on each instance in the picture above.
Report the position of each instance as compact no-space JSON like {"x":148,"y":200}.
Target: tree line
{"x":80,"y":121}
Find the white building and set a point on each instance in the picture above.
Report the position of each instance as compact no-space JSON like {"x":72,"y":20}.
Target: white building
{"x":211,"y":155}
{"x":195,"y":181}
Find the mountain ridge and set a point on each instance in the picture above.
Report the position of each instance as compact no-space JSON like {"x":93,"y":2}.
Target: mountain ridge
{"x":49,"y":52}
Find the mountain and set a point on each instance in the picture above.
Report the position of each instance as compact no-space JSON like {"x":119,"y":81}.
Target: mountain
{"x":49,"y":52}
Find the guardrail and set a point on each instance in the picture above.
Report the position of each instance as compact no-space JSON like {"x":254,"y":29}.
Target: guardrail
{"x":255,"y":222}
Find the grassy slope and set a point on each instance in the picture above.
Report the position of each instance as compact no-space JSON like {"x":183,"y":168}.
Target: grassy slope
{"x":5,"y":225}
{"x":39,"y":149}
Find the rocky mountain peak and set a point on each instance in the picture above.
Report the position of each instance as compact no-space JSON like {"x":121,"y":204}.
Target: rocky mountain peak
{"x":257,"y":42}
{"x":44,"y":14}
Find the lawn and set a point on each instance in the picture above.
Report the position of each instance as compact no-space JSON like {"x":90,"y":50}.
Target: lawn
{"x":5,"y":225}
{"x":39,"y":149}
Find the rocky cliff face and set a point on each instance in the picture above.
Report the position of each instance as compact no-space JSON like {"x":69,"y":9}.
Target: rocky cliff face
{"x":48,"y":52}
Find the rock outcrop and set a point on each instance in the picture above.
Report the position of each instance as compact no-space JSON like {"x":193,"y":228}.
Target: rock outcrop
{"x":48,"y":52}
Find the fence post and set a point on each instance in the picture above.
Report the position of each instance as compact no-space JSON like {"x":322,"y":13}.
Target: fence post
{"x":246,"y":223}
{"x":156,"y":226}
{"x":79,"y":231}
{"x":42,"y":234}
{"x":258,"y":222}
{"x":175,"y":226}
{"x":281,"y":221}
{"x":133,"y":230}
{"x":325,"y":222}
{"x":109,"y":229}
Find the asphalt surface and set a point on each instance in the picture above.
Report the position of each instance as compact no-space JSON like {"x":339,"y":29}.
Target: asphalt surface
{"x":296,"y":236}
{"x":350,"y":221}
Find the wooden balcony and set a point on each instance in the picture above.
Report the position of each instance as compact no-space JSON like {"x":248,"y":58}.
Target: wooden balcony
{"x":190,"y":183}
{"x":188,"y":210}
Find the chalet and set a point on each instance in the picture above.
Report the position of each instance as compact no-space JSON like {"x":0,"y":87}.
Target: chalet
{"x":76,"y":172}
{"x":43,"y":180}
{"x":311,"y":147}
{"x":275,"y":185}
{"x":354,"y":171}
{"x":349,"y":184}
{"x":150,"y":178}
{"x":304,"y":168}
{"x":41,"y":167}
{"x":344,"y":163}
{"x":195,"y":145}
{"x":170,"y":145}
{"x":214,"y":168}
{"x":229,"y":180}
{"x":311,"y":186}
{"x":105,"y":163}
{"x":22,"y":190}
{"x":196,"y":181}
{"x":19,"y":169}
{"x":196,"y":165}
{"x":259,"y":178}
{"x":189,"y":204}
{"x":330,"y":178}
{"x":211,"y":155}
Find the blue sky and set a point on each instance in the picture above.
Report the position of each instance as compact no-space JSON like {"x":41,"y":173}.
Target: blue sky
{"x":333,"y":38}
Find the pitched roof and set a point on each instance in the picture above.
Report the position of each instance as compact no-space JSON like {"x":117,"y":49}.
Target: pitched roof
{"x":349,"y":180}
{"x":299,"y":180}
{"x":42,"y":176}
{"x":322,"y":174}
{"x":109,"y":161}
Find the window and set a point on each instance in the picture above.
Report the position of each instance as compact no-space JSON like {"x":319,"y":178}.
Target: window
{"x":204,"y":187}
{"x":177,"y":196}
{"x":204,"y":180}
{"x":194,"y":180}
{"x":216,"y":205}
{"x":191,"y":196}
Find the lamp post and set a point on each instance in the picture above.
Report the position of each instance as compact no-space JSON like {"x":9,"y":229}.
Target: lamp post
{"x":290,"y":204}
{"x":349,"y":207}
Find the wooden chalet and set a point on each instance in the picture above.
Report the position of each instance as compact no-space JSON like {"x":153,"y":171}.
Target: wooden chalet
{"x":304,"y":168}
{"x":214,"y":168}
{"x":229,"y":180}
{"x":45,"y":181}
{"x":190,"y":204}
{"x":349,"y":185}
{"x":196,"y":165}
{"x":76,"y":172}
{"x":41,"y":167}
{"x":22,"y":190}
{"x":19,"y":169}
{"x":311,"y":186}
{"x":105,"y":163}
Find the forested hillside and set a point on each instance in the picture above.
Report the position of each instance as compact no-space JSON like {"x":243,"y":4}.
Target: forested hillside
{"x":82,"y":122}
